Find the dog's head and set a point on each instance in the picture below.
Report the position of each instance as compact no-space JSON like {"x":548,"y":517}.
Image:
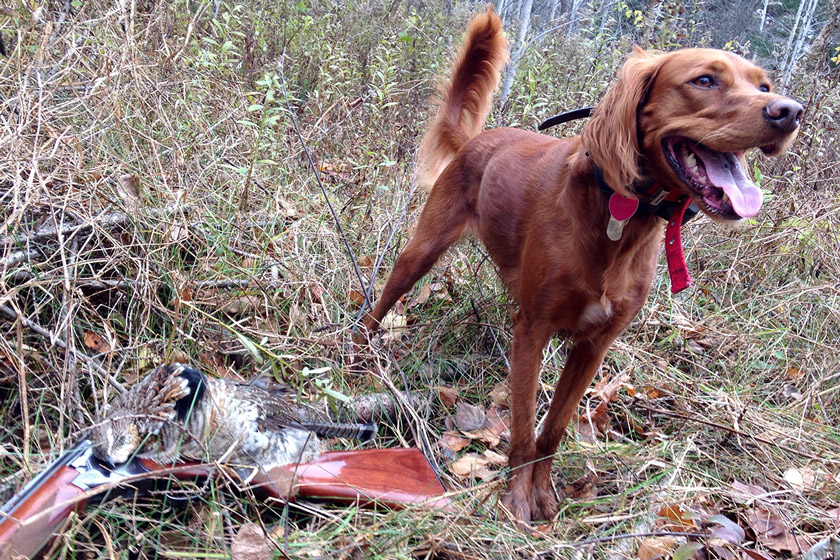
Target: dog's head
{"x":685,"y":119}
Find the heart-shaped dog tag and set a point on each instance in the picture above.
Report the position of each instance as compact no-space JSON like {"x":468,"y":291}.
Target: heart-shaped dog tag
{"x":622,"y":208}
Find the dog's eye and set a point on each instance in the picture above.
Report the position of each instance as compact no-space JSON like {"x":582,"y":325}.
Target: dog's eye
{"x":704,"y":81}
{"x":764,"y":88}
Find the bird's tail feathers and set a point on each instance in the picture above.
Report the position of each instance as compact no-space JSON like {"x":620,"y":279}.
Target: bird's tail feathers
{"x":362,"y":432}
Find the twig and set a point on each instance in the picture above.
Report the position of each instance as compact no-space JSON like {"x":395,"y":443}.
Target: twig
{"x":103,"y":220}
{"x":55,"y":339}
{"x":735,"y":431}
{"x":16,"y":258}
{"x":321,"y":186}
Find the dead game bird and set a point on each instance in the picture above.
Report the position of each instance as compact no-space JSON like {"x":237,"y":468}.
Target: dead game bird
{"x":176,"y":412}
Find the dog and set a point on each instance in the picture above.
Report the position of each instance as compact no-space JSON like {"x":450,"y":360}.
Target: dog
{"x":677,"y":123}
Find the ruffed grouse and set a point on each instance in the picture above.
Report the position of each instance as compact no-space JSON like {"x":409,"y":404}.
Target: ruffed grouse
{"x":177,"y":412}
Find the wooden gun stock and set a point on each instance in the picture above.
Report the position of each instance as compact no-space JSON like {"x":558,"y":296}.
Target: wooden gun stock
{"x":389,"y":477}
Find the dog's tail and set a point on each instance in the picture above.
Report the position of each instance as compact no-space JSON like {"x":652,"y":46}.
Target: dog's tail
{"x":465,"y":98}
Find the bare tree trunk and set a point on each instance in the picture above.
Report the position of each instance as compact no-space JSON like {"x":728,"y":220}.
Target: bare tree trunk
{"x":501,"y":7}
{"x":553,"y":13}
{"x":573,"y":15}
{"x":763,"y":14}
{"x":804,"y":28}
{"x":793,"y":31}
{"x":818,"y":47}
{"x":518,"y":49}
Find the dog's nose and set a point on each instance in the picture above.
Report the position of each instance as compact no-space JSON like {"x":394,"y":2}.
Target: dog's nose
{"x":784,"y":114}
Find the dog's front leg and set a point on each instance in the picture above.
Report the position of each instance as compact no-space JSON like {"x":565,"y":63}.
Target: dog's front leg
{"x":528,"y":343}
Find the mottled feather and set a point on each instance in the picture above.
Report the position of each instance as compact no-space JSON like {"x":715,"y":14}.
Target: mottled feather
{"x":176,"y":412}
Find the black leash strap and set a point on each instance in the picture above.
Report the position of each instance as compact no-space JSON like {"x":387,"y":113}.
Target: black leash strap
{"x":565,"y":117}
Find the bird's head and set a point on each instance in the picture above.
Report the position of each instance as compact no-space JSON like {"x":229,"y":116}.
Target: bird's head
{"x":117,"y":438}
{"x":135,"y":423}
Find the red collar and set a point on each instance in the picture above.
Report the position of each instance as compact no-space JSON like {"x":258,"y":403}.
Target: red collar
{"x":675,"y":210}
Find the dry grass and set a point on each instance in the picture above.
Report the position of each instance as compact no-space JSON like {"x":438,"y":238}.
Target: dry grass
{"x":158,"y":204}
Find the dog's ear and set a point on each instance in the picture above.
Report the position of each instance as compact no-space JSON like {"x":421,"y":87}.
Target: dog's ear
{"x":612,"y":137}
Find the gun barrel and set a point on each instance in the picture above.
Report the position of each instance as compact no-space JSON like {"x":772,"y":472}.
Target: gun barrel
{"x":21,"y":534}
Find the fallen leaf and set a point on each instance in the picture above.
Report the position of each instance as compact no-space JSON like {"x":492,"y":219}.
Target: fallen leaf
{"x":241,"y":305}
{"x":833,"y":515}
{"x":583,"y":488}
{"x":792,"y":392}
{"x":485,"y":436}
{"x":755,"y":555}
{"x":676,"y":517}
{"x":656,"y":548}
{"x":744,"y":493}
{"x":128,"y":190}
{"x":453,"y":441}
{"x":687,"y":551}
{"x":469,"y":417}
{"x":356,"y":297}
{"x":251,"y":543}
{"x":471,"y":465}
{"x":826,"y":549}
{"x":694,"y":346}
{"x":608,"y":388}
{"x":497,"y":422}
{"x":423,"y":295}
{"x":592,"y":427}
{"x":494,"y":458}
{"x":721,"y":549}
{"x":96,"y":343}
{"x":771,"y":531}
{"x":448,"y":396}
{"x":793,"y":373}
{"x":726,"y":529}
{"x":500,"y":395}
{"x":806,"y":479}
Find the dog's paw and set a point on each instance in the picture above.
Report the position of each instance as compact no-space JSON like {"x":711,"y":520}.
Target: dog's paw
{"x":516,"y":509}
{"x":543,"y":504}
{"x":516,"y":503}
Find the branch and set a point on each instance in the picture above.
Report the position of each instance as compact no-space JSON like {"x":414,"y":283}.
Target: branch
{"x":56,"y":340}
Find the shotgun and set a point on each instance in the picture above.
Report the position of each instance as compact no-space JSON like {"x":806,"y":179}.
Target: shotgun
{"x":394,"y":478}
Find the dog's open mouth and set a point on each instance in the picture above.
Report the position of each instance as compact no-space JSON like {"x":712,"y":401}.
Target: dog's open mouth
{"x":715,"y":177}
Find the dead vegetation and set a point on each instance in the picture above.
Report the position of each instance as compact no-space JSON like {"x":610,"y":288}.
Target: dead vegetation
{"x":162,"y":200}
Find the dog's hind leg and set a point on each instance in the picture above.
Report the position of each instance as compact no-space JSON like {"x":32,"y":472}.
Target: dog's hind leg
{"x":528,"y":342}
{"x":442,"y":222}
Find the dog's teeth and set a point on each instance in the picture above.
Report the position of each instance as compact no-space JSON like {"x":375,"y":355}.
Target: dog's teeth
{"x":691,"y":160}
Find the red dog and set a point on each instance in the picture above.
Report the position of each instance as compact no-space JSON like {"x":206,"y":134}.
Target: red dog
{"x":678,"y":123}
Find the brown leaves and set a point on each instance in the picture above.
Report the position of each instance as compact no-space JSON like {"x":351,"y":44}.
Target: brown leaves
{"x":96,"y":342}
{"x":473,"y":465}
{"x":447,"y":395}
{"x":595,"y":424}
{"x":469,"y":424}
{"x":468,"y":417}
{"x":251,"y":543}
{"x":772,"y":532}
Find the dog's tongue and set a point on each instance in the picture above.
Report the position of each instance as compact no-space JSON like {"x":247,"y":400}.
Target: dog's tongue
{"x":725,"y":172}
